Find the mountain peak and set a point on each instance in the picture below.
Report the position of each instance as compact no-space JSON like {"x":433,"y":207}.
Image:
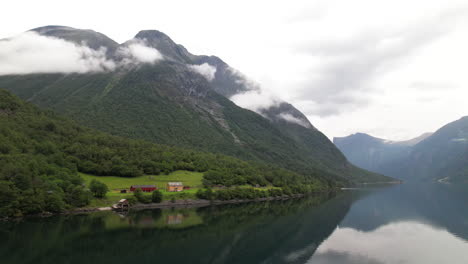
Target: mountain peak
{"x":91,"y":38}
{"x":359,"y":139}
{"x":152,"y":34}
{"x":50,"y":28}
{"x":164,"y":44}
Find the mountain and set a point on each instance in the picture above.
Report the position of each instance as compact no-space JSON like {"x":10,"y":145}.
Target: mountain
{"x":91,"y":38}
{"x":377,"y":154}
{"x":414,"y":141}
{"x":440,"y":155}
{"x":41,"y":154}
{"x":181,"y":99}
{"x":443,"y":155}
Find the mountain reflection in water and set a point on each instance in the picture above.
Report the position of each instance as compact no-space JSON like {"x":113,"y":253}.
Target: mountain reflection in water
{"x":397,"y":224}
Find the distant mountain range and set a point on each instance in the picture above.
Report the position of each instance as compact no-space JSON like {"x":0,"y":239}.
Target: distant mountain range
{"x":436,"y":156}
{"x":154,"y":89}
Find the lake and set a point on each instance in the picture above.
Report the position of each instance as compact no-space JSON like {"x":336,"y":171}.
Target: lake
{"x":425,"y":223}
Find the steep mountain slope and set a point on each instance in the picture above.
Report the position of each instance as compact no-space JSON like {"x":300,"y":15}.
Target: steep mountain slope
{"x":441,"y":155}
{"x":173,"y":102}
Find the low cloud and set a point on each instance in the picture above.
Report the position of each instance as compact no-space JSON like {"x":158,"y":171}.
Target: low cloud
{"x":256,"y":100}
{"x":242,"y":79}
{"x":206,"y":70}
{"x":32,"y":53}
{"x":254,"y":97}
{"x":292,"y":119}
{"x":138,"y":52}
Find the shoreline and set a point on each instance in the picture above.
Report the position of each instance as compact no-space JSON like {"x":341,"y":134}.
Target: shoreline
{"x":189,"y":203}
{"x":366,"y":185}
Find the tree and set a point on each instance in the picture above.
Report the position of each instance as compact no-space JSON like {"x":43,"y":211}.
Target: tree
{"x":98,"y":188}
{"x":156,"y":197}
{"x":138,"y":193}
{"x":77,"y":196}
{"x":207,"y":194}
{"x":54,"y":203}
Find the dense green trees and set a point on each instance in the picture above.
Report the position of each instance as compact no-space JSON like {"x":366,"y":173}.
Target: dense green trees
{"x":98,"y":188}
{"x":156,"y":196}
{"x":252,"y":193}
{"x":141,"y":197}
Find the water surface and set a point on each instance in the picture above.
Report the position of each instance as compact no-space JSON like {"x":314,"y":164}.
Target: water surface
{"x":398,"y":224}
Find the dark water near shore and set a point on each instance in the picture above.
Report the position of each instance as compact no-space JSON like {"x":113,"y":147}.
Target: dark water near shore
{"x":397,"y":224}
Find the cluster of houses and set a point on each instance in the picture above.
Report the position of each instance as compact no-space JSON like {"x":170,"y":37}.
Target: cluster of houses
{"x":170,"y":187}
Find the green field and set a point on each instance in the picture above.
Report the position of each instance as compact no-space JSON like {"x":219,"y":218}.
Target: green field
{"x":115,"y":184}
{"x":188,"y":178}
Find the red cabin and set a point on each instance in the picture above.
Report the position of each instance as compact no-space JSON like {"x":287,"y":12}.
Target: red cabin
{"x":144,"y":188}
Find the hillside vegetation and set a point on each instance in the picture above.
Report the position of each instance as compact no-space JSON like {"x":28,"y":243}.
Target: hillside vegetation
{"x":41,"y":155}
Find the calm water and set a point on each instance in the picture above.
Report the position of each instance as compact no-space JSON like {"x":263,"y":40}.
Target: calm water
{"x":399,"y":224}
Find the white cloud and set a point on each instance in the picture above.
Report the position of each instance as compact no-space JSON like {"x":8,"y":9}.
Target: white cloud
{"x":292,"y":119}
{"x":256,"y":100}
{"x":32,"y":53}
{"x":138,"y":52}
{"x":242,"y":79}
{"x":206,"y":70}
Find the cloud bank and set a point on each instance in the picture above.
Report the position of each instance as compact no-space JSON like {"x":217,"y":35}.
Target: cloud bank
{"x":206,"y":70}
{"x":347,"y":69}
{"x":32,"y":53}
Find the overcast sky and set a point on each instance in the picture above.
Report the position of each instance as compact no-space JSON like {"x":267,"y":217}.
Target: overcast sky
{"x":394,"y":69}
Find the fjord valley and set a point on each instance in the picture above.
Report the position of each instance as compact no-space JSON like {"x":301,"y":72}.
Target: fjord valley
{"x":227,"y":132}
{"x":442,"y":155}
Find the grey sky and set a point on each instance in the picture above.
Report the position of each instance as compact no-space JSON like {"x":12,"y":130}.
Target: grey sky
{"x":394,"y":69}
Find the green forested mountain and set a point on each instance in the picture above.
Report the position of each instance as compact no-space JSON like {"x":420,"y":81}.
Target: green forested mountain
{"x":169,"y":103}
{"x":441,"y":155}
{"x":41,"y":155}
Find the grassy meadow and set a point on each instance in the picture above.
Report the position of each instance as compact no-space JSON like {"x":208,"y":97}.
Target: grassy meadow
{"x":115,"y":184}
